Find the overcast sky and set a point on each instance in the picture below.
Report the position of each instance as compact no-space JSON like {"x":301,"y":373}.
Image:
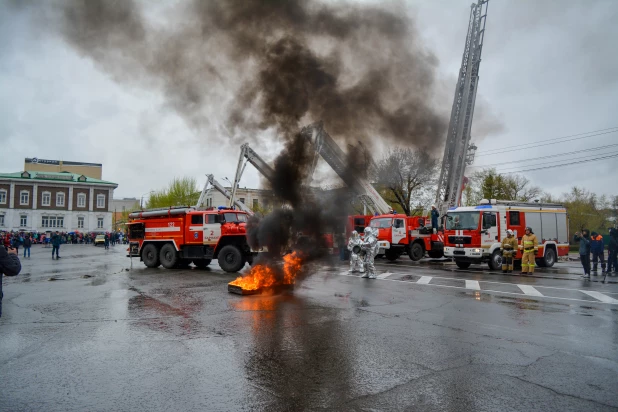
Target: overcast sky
{"x":547,"y":71}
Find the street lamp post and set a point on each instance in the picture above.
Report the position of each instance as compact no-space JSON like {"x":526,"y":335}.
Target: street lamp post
{"x":141,"y":199}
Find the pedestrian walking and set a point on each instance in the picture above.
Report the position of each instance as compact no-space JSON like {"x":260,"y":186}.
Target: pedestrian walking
{"x":434,"y":218}
{"x":584,"y":250}
{"x":612,"y":251}
{"x":9,"y":266}
{"x":530,"y":246}
{"x":508,"y":249}
{"x":597,"y":247}
{"x":27,"y":245}
{"x":15,"y":243}
{"x":106,"y":243}
{"x":55,"y":241}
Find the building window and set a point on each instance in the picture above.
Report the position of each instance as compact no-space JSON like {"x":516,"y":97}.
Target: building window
{"x":45,"y":199}
{"x":1,"y":220}
{"x":100,"y":223}
{"x":242,"y":200}
{"x":100,"y":201}
{"x":256,"y":204}
{"x":2,"y":197}
{"x":81,"y":200}
{"x":80,"y":222}
{"x":24,"y":197}
{"x":52,"y":221}
{"x":60,"y":199}
{"x":23,"y":221}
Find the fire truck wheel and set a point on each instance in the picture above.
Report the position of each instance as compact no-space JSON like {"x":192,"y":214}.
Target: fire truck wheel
{"x":416,"y":252}
{"x":230,"y":259}
{"x":150,"y":256}
{"x":201,"y":263}
{"x":391,"y":254}
{"x":462,"y":265}
{"x":495,"y":261}
{"x":168,"y":256}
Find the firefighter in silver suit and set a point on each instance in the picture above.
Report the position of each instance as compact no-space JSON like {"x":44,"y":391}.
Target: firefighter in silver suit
{"x":355,"y":260}
{"x":370,"y":247}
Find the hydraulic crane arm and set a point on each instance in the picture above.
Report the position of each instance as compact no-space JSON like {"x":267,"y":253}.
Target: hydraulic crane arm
{"x":335,"y":157}
{"x":213,"y":183}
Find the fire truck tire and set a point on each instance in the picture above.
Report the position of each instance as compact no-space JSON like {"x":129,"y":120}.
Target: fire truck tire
{"x":202,"y":263}
{"x":495,"y":261}
{"x":391,"y":254}
{"x":150,"y":256}
{"x":549,"y":259}
{"x":416,"y":252}
{"x":462,"y":265}
{"x":168,"y":256}
{"x":231,"y":259}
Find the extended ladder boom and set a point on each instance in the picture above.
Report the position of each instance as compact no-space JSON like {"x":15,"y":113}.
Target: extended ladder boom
{"x":335,"y":157}
{"x":247,"y":154}
{"x":212,"y":182}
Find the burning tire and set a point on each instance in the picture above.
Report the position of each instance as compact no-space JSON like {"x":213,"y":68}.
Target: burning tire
{"x":150,"y":256}
{"x":202,"y":263}
{"x":416,"y":252}
{"x":168,"y":256}
{"x":231,"y":259}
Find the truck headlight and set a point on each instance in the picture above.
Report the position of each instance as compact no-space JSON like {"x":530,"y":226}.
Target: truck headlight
{"x":476,"y":250}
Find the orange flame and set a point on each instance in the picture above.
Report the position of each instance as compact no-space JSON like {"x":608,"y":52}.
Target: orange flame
{"x":261,"y":276}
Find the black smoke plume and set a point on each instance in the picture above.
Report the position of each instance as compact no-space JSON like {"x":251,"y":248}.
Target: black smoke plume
{"x":276,"y":65}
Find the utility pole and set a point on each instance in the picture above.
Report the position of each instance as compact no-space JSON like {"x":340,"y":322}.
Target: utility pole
{"x":458,"y":152}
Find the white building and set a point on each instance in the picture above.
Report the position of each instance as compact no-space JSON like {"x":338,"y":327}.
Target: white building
{"x":50,"y":201}
{"x":255,"y":199}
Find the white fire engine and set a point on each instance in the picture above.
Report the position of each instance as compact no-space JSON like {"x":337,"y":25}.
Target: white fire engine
{"x":473,"y":234}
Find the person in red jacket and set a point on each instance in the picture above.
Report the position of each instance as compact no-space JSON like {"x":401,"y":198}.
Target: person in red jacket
{"x":9,"y":266}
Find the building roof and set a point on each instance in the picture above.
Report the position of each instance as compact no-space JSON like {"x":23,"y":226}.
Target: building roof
{"x":55,"y":177}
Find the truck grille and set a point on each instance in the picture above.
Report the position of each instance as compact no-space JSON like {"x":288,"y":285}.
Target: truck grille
{"x":464,"y":240}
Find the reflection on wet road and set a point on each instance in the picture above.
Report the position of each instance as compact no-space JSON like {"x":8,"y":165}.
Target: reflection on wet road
{"x":422,"y":337}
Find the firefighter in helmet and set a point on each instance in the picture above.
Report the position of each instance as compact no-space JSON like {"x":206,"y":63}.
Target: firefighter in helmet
{"x":529,"y":245}
{"x":354,"y":245}
{"x":508,"y":249}
{"x":370,"y":246}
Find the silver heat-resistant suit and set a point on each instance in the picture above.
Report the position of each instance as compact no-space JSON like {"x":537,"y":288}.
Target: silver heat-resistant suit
{"x":370,"y":246}
{"x":355,"y":260}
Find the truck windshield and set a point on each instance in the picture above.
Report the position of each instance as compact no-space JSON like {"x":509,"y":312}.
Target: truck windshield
{"x":462,"y":220}
{"x":235,"y":217}
{"x":382,"y":223}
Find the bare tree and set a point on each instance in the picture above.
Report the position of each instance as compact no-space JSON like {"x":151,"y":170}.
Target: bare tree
{"x":406,"y":175}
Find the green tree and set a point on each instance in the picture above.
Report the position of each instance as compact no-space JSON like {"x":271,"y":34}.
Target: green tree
{"x":406,"y":178}
{"x":489,"y":184}
{"x":181,"y":191}
{"x":586,"y":211}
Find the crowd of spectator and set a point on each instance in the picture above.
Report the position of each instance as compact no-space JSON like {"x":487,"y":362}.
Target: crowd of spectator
{"x":17,"y":239}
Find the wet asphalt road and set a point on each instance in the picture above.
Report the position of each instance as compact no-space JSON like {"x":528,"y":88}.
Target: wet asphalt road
{"x":424,"y":338}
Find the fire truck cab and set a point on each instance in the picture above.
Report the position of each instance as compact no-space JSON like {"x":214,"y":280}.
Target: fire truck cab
{"x":399,"y":234}
{"x":474,"y":234}
{"x":175,"y":237}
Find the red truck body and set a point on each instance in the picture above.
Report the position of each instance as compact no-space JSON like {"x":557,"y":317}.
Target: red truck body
{"x":175,"y":237}
{"x":399,"y":234}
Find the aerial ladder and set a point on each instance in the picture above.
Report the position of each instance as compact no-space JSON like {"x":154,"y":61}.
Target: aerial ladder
{"x":248,"y":155}
{"x":335,"y":157}
{"x":211,"y":183}
{"x":458,"y":152}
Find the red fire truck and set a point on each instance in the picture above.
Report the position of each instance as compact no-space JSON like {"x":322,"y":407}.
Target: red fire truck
{"x":473,"y":234}
{"x":177,"y":236}
{"x":399,"y":234}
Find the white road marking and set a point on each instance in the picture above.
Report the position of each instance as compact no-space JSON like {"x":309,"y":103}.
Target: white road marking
{"x":603,"y":298}
{"x":473,"y":284}
{"x":530,"y":290}
{"x":383,"y":275}
{"x":424,"y":280}
{"x":489,"y":291}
